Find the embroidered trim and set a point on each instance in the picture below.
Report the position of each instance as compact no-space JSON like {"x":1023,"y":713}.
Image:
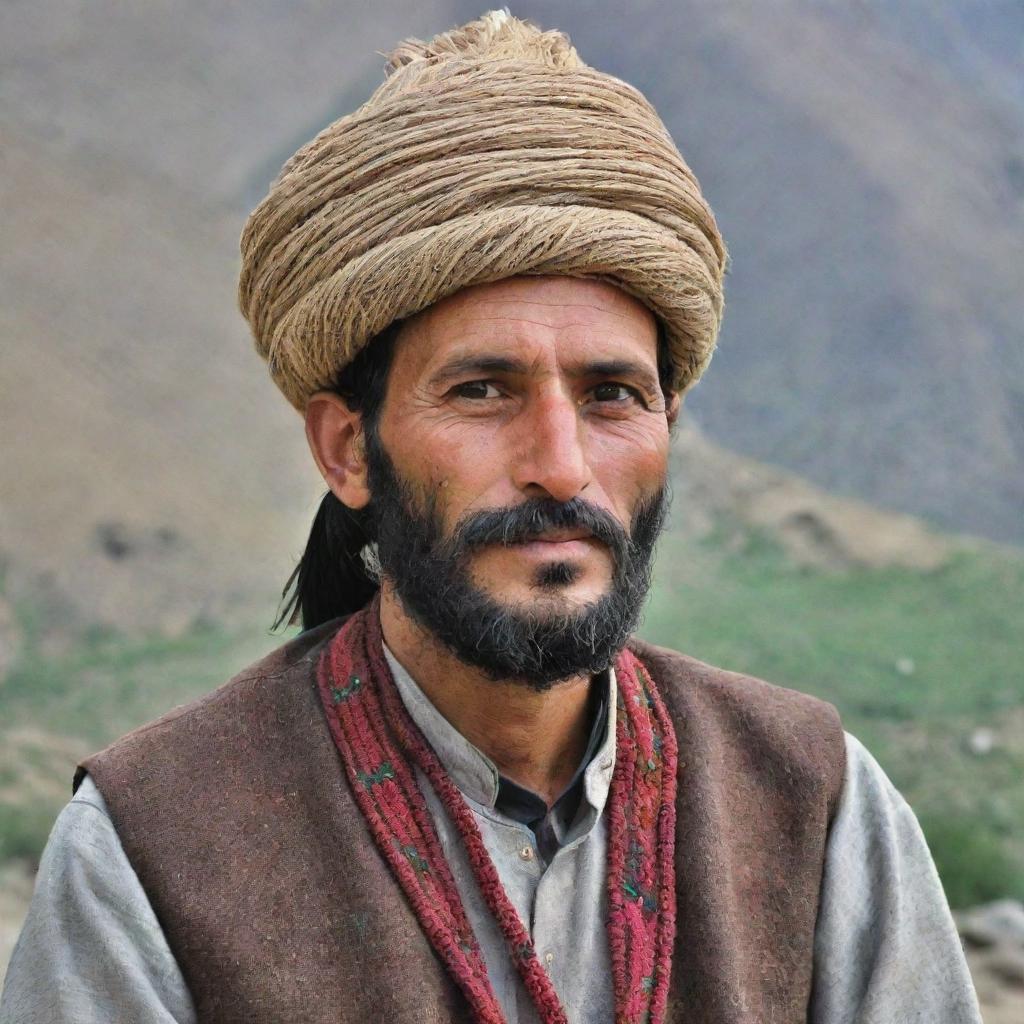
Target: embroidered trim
{"x":379,"y":744}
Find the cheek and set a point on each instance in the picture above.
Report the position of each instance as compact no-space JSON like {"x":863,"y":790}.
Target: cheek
{"x":461,"y":465}
{"x":630,"y":461}
{"x":466,"y":458}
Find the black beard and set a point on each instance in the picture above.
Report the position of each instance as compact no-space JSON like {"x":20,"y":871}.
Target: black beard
{"x":430,"y":574}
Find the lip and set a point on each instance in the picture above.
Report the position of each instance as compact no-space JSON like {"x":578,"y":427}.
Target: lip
{"x":561,"y":544}
{"x":560,"y":536}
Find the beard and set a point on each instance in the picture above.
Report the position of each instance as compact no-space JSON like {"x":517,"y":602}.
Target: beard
{"x":537,"y":646}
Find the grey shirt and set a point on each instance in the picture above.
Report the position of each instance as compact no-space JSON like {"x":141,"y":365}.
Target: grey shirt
{"x":885,"y":948}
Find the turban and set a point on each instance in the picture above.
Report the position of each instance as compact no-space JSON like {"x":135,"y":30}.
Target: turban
{"x":488,"y":152}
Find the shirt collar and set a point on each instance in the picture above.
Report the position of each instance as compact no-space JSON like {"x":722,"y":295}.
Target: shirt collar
{"x":475,"y":774}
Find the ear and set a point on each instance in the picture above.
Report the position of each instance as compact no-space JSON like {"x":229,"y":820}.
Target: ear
{"x":335,"y":435}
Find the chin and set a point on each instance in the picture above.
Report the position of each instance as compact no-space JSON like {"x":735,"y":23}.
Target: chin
{"x":549,"y":590}
{"x":544,"y":599}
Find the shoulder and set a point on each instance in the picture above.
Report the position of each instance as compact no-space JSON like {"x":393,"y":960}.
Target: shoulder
{"x":783,"y":731}
{"x":83,"y":834}
{"x":260,"y":690}
{"x":873,"y":819}
{"x":885,"y":938}
{"x":83,"y":862}
{"x":91,"y":946}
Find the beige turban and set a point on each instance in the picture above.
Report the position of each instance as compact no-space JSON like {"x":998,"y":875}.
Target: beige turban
{"x":488,"y":152}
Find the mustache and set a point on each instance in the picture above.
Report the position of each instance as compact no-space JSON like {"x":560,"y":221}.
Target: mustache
{"x":534,"y":517}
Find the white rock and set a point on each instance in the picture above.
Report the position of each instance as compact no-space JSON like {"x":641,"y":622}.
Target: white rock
{"x":1000,"y":923}
{"x":982,"y":741}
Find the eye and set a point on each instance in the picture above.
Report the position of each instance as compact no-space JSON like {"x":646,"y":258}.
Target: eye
{"x":476,"y":389}
{"x":612,"y":392}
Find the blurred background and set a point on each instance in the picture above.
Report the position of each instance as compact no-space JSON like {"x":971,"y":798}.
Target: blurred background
{"x":849,"y":479}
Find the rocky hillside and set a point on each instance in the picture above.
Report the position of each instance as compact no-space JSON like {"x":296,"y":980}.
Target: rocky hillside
{"x":865,"y":161}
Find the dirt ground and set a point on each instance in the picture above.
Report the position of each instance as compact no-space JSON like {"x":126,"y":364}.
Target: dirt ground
{"x":15,"y":893}
{"x":1002,"y":1001}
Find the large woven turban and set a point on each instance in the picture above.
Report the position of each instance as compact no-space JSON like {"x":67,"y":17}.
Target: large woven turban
{"x":488,"y":152}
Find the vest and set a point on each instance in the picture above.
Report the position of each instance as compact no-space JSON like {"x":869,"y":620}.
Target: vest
{"x":236,"y":815}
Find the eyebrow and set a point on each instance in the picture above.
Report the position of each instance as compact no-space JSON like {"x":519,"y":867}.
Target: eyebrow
{"x":476,"y":364}
{"x":640,"y":373}
{"x":628,"y":368}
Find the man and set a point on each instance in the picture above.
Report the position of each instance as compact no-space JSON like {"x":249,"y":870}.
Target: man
{"x":466,"y":792}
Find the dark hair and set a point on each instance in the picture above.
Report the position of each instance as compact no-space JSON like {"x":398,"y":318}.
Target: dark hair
{"x":331,"y":579}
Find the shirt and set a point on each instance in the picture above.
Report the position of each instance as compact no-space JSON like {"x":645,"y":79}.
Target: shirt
{"x":885,"y":947}
{"x":526,"y":807}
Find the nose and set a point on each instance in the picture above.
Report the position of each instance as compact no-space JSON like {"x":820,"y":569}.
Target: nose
{"x":553,"y":460}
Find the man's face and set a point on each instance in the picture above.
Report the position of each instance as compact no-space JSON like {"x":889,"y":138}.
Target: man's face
{"x":519,"y":477}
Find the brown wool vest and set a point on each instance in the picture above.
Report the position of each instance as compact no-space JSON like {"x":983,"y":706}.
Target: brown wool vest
{"x":236,"y":815}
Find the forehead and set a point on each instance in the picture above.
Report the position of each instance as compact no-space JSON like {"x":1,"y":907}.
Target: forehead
{"x":546,"y":319}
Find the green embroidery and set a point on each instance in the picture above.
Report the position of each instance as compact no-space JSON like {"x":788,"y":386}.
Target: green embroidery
{"x":412,"y":855}
{"x":371,"y":779}
{"x":633,"y":891}
{"x":354,"y":685}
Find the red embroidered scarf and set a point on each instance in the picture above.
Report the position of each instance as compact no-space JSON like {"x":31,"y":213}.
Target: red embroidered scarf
{"x":379,"y":744}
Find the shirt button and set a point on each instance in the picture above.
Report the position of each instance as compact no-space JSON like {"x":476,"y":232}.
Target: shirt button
{"x":526,"y":853}
{"x":549,"y":958}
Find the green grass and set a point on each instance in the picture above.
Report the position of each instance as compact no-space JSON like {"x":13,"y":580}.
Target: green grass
{"x":914,"y":661}
{"x":846,"y":637}
{"x":60,"y":707}
{"x":24,"y":828}
{"x":972,"y":858}
{"x":107,"y":681}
